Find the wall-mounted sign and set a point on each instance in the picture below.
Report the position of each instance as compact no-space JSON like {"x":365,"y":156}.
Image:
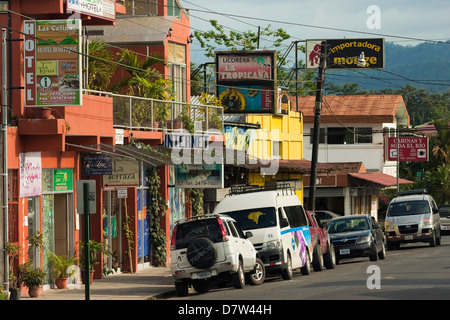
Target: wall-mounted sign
{"x":344,"y":53}
{"x":105,"y":9}
{"x":30,"y":174}
{"x":62,"y":180}
{"x":246,"y":81}
{"x":409,"y":149}
{"x":239,"y":138}
{"x":186,"y":141}
{"x":199,"y":176}
{"x":52,"y":62}
{"x":97,"y":164}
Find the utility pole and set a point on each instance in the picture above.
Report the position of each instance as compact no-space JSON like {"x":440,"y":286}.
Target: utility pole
{"x":317,"y":112}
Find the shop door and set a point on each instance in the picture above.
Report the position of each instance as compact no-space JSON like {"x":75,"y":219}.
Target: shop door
{"x":111,"y":221}
{"x":143,"y":229}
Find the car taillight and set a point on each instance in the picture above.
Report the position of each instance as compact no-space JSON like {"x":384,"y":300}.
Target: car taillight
{"x":172,"y":242}
{"x":222,"y":229}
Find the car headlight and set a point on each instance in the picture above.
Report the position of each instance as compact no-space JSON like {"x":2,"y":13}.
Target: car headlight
{"x":274,"y":244}
{"x":363,"y":239}
{"x":427,"y":222}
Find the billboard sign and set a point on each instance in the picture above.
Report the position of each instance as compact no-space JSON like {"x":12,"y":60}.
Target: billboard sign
{"x":199,"y":176}
{"x":344,"y":53}
{"x":52,"y":63}
{"x":246,"y":81}
{"x":105,"y":9}
{"x":409,"y":149}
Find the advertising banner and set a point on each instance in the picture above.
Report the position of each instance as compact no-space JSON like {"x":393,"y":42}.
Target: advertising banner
{"x":105,"y":9}
{"x":246,"y":81}
{"x":344,"y":53}
{"x":30,"y":174}
{"x":52,"y":63}
{"x":125,"y":173}
{"x":409,"y":149}
{"x":199,"y":176}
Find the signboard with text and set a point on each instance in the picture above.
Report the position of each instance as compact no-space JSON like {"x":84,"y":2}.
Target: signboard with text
{"x":199,"y":176}
{"x":409,"y":149}
{"x":52,"y":62}
{"x":105,"y":9}
{"x":344,"y":53}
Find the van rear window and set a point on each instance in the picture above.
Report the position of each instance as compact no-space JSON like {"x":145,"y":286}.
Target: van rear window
{"x":254,"y":218}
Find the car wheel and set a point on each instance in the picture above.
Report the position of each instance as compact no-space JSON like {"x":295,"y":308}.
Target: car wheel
{"x":382,"y":253}
{"x":330,"y":257}
{"x":318,"y":258}
{"x":182,"y":288}
{"x":201,"y":253}
{"x":257,"y":277}
{"x":374,"y":254}
{"x":306,"y":269}
{"x":238,"y":278}
{"x":433,"y":239}
{"x":286,"y":274}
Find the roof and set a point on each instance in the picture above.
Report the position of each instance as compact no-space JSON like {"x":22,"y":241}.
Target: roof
{"x":354,"y":108}
{"x":379,"y":178}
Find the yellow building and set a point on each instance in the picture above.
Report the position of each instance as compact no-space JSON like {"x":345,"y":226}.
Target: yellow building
{"x":280,"y":138}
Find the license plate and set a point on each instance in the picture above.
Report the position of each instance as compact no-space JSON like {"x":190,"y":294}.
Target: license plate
{"x":445,"y":227}
{"x":408,"y":237}
{"x":204,"y":275}
{"x":344,"y":251}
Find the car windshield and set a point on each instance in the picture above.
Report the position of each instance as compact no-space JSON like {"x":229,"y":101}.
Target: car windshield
{"x":254,"y":218}
{"x":348,"y":225}
{"x":408,"y":208}
{"x":444,"y":212}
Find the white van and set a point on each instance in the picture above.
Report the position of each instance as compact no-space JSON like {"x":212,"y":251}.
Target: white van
{"x":412,"y":217}
{"x":278,"y":222}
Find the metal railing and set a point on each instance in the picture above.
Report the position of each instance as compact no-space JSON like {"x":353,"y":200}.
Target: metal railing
{"x":137,"y":113}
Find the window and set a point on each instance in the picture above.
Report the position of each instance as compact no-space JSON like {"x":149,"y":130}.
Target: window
{"x":177,"y":73}
{"x":296,"y":216}
{"x":173,"y":9}
{"x":142,"y":8}
{"x":340,"y":136}
{"x":276,"y":149}
{"x":363,"y":135}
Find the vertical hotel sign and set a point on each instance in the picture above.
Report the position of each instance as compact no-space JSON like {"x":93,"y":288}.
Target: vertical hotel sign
{"x":52,"y":63}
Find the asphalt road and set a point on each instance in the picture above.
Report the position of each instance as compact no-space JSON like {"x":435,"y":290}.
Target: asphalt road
{"x":413,"y":272}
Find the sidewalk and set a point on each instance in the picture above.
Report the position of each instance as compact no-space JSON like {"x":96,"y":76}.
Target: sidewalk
{"x":148,"y":283}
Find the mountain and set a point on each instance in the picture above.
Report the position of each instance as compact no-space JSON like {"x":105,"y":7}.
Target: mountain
{"x":426,"y":65}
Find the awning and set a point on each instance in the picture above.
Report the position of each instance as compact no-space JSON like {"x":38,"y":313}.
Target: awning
{"x":378,"y":178}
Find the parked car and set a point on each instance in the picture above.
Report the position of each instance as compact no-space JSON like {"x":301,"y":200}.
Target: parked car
{"x":210,"y":249}
{"x":278,"y":222}
{"x":323,"y":254}
{"x":413,"y":216}
{"x":325,"y":216}
{"x":444,"y":216}
{"x":357,"y":236}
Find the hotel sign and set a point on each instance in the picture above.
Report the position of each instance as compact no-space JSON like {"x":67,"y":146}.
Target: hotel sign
{"x":105,"y":9}
{"x":52,"y":63}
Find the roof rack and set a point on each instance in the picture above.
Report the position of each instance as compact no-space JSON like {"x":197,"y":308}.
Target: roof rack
{"x":202,"y":216}
{"x":285,"y":187}
{"x":413,"y":191}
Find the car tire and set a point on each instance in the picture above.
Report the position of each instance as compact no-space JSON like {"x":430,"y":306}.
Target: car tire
{"x":257,"y":277}
{"x":433,"y":239}
{"x":306,"y":269}
{"x":182,"y":288}
{"x":201,"y":286}
{"x":238,"y":278}
{"x":330,"y":257}
{"x":318,"y":258}
{"x":374,"y":254}
{"x":201,"y":253}
{"x":382,"y":253}
{"x":287,"y":273}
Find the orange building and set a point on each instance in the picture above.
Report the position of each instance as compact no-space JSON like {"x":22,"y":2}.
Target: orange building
{"x":47,"y":155}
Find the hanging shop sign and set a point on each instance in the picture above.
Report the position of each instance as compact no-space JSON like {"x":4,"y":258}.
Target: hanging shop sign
{"x":246,"y":81}
{"x":125,"y":173}
{"x":62,"y":180}
{"x":105,"y":9}
{"x":199,"y":176}
{"x":97,"y":164}
{"x":30,"y":174}
{"x":52,"y":63}
{"x":409,"y":149}
{"x":344,"y":53}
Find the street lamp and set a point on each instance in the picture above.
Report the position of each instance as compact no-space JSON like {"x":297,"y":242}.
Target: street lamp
{"x":361,"y":62}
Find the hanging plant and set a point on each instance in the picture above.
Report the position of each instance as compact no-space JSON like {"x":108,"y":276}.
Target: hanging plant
{"x":157,"y":209}
{"x":196,"y":197}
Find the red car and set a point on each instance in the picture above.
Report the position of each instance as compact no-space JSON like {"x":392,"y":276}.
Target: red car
{"x":324,"y":255}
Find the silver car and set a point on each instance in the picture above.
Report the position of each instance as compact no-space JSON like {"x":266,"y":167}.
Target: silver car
{"x":444,"y":214}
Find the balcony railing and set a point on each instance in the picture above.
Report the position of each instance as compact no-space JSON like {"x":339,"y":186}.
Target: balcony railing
{"x":136,"y":113}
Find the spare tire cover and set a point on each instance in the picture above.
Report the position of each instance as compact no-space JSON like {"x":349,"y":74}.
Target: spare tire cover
{"x":201,"y":253}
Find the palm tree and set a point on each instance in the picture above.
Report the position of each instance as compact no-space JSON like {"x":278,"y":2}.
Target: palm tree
{"x":100,"y":66}
{"x":441,"y":148}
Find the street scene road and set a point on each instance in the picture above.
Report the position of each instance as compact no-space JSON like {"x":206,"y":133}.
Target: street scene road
{"x":414,"y":272}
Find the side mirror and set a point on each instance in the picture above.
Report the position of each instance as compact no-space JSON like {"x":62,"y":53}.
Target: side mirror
{"x":248,"y":234}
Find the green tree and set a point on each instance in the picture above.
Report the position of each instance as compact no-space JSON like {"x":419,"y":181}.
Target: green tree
{"x":100,"y":67}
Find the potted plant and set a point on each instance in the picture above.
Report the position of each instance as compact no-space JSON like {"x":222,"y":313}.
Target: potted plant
{"x":60,"y":266}
{"x":161,"y":112}
{"x":94,"y":249}
{"x":13,"y":251}
{"x":186,"y":120}
{"x":33,"y":279}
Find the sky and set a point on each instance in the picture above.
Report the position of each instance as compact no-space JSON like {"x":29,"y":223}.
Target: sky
{"x":405,"y":22}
